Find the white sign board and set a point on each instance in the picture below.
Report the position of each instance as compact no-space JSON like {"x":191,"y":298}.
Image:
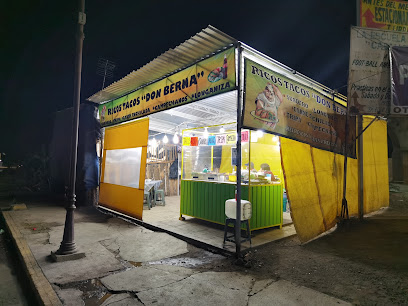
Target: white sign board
{"x":202,"y":141}
{"x":369,"y":70}
{"x":221,"y":140}
{"x":122,"y":167}
{"x":399,"y":80}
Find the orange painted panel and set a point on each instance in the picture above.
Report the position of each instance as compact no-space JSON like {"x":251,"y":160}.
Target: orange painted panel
{"x":124,"y":199}
{"x":127,"y":135}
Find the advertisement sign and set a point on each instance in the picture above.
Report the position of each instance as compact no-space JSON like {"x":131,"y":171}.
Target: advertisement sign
{"x":245,"y":136}
{"x":233,"y":156}
{"x":194,"y":141}
{"x":207,"y":78}
{"x":282,"y":106}
{"x":221,"y":140}
{"x":369,"y":77}
{"x":202,"y":141}
{"x":384,"y":14}
{"x":399,"y":80}
{"x":216,"y":140}
{"x":231,"y":138}
{"x":211,"y":140}
{"x":186,"y":141}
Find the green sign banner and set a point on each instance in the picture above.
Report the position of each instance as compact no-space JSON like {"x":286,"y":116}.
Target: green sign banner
{"x":207,"y":78}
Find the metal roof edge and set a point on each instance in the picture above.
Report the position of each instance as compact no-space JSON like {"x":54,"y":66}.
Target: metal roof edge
{"x":115,"y":85}
{"x":314,"y":83}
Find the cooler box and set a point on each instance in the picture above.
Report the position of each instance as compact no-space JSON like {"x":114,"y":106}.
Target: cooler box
{"x":231,"y":209}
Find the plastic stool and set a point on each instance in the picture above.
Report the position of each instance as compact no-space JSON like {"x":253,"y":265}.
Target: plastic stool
{"x":147,"y":199}
{"x":230,"y":212}
{"x":231,"y":238}
{"x":159,"y":197}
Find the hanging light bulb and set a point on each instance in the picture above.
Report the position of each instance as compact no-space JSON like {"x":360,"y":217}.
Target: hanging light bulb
{"x":205,"y":132}
{"x":165,"y":139}
{"x":259,"y":133}
{"x":222,"y":130}
{"x":175,"y":139}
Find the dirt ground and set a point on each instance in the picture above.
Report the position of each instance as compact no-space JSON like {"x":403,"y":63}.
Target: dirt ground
{"x":365,"y":263}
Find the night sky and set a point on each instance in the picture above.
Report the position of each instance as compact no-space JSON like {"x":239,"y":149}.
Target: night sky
{"x":38,"y":48}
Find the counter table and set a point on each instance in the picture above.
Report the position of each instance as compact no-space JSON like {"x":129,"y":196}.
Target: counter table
{"x":206,"y":200}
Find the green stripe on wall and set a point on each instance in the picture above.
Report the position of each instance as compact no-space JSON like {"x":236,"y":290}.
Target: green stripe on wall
{"x":206,"y":200}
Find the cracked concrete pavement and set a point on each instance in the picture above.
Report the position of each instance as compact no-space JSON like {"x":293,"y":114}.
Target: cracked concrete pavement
{"x":125,"y":264}
{"x":175,"y":286}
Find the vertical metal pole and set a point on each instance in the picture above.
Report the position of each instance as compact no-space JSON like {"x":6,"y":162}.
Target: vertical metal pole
{"x":239,"y":161}
{"x":344,"y":205}
{"x":68,"y":246}
{"x":178,"y":174}
{"x":104,"y":75}
{"x":360,"y":141}
{"x":360,"y":169}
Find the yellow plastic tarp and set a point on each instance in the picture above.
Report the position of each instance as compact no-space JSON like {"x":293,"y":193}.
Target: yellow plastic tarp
{"x":314,"y":181}
{"x":266,"y":150}
{"x":376,"y":188}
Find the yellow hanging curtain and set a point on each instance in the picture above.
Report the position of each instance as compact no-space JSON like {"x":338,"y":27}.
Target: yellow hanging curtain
{"x":314,"y":181}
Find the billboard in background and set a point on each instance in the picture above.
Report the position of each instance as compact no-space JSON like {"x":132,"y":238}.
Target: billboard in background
{"x":207,"y":78}
{"x":369,"y":90}
{"x":384,"y":14}
{"x":282,"y":106}
{"x":399,"y":80}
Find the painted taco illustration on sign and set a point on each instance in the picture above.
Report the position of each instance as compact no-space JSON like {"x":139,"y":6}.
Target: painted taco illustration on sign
{"x":103,"y":111}
{"x":219,"y":73}
{"x":267,"y":103}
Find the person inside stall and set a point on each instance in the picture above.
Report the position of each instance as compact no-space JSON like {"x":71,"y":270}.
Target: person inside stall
{"x":252,"y":168}
{"x":267,"y":170}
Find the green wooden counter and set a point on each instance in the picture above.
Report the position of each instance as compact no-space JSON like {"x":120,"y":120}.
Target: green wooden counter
{"x":206,"y":200}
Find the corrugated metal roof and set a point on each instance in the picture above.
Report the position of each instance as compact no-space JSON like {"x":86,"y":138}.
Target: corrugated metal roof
{"x":204,"y":44}
{"x":218,"y":109}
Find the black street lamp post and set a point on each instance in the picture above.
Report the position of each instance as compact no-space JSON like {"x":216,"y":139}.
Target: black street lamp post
{"x":68,"y":249}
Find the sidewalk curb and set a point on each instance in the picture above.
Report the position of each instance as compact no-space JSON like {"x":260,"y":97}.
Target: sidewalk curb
{"x":42,"y":289}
